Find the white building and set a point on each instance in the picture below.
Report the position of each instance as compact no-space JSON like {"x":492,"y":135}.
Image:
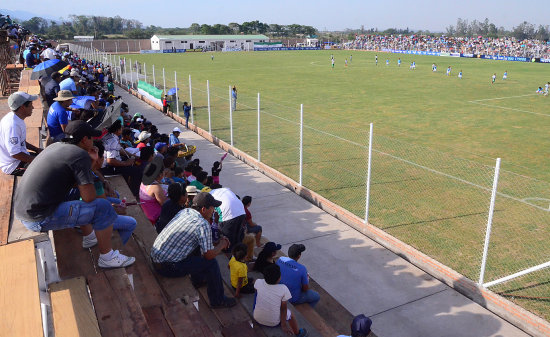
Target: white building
{"x":82,"y":38}
{"x":208,"y":42}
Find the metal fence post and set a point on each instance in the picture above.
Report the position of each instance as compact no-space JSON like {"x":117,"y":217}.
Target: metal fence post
{"x":301,"y":143}
{"x":154,"y":81}
{"x":369,"y":162}
{"x":259,"y":152}
{"x":125,"y":72}
{"x":208,"y":99}
{"x":177,"y":100}
{"x":191,"y":99}
{"x":131,"y":75}
{"x":163,"y":81}
{"x":230,"y":117}
{"x":144,"y":71}
{"x":489,"y":223}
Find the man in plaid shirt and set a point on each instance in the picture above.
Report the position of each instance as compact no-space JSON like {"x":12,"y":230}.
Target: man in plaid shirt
{"x":185,"y":247}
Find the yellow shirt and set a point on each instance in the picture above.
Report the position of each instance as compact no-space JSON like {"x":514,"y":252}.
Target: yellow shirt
{"x":238,"y":269}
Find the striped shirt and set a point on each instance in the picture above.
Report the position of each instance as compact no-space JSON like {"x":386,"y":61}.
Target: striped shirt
{"x":187,"y":231}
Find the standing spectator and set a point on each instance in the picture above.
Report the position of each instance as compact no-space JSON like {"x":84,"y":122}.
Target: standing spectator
{"x":185,"y":247}
{"x":14,"y":156}
{"x":294,"y":275}
{"x":58,"y":116}
{"x":234,"y":99}
{"x":165,"y":104}
{"x":232,"y":215}
{"x":40,"y":196}
{"x":186,"y":113}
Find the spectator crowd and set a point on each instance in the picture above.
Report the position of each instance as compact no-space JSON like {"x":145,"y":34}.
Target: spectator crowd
{"x":506,"y":46}
{"x":93,"y":133}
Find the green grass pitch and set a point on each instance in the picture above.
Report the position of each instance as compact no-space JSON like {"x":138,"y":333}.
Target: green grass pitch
{"x":436,"y":139}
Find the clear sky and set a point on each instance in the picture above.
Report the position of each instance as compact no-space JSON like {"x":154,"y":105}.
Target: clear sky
{"x":433,"y":15}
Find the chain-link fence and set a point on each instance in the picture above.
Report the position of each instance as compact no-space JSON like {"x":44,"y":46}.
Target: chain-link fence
{"x":434,"y":201}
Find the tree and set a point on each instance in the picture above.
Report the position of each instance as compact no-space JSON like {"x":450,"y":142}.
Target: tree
{"x":36,"y":25}
{"x":195,"y":28}
{"x":451,"y":31}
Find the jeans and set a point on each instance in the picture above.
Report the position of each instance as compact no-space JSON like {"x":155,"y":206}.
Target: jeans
{"x":309,"y":296}
{"x":233,"y":230}
{"x":200,"y":269}
{"x":124,"y":224}
{"x":187,"y":120}
{"x":132,"y":175}
{"x":99,"y":213}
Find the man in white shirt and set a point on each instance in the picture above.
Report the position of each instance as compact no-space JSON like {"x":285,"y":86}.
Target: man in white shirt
{"x":48,"y":53}
{"x":233,"y":215}
{"x":14,"y":156}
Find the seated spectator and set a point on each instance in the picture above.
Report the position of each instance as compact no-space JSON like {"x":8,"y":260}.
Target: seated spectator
{"x":152,"y":193}
{"x":52,"y":88}
{"x":232,"y":215}
{"x":360,"y":326}
{"x":178,"y":175}
{"x":161,"y":148}
{"x":143,"y":139}
{"x":32,"y":59}
{"x":270,"y":307}
{"x":294,"y":275}
{"x":14,"y":154}
{"x":185,"y":247}
{"x":240,"y":281}
{"x":174,"y":138}
{"x":70,"y":82}
{"x":191,"y":193}
{"x":127,"y":138}
{"x":58,"y":116}
{"x":251,"y":226}
{"x":40,"y":196}
{"x":123,"y":224}
{"x":266,"y":256}
{"x":200,"y":181}
{"x":177,"y":198}
{"x":118,"y":160}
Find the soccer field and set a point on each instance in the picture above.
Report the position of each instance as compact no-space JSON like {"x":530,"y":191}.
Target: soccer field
{"x":436,"y":139}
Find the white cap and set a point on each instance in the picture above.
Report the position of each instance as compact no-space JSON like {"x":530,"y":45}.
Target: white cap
{"x":19,"y":98}
{"x":176,"y":129}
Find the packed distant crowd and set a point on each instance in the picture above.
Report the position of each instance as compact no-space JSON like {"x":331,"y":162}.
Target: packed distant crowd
{"x":506,"y":46}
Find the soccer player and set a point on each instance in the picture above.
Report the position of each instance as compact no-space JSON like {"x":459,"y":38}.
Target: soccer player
{"x":399,"y":62}
{"x":413,"y":65}
{"x":449,"y":71}
{"x":376,"y":59}
{"x":332,"y":62}
{"x":505,"y":76}
{"x":460,"y":75}
{"x":346,"y":62}
{"x":387,"y":62}
{"x":494,"y":78}
{"x":546,"y":88}
{"x":212,"y":57}
{"x":350,"y":58}
{"x":434,"y":67}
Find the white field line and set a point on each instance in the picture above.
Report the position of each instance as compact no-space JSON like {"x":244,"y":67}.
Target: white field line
{"x":407,"y":161}
{"x":507,"y":108}
{"x":498,"y":98}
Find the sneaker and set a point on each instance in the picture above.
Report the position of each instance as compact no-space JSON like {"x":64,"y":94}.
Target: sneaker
{"x":117,"y":261}
{"x":89,"y":242}
{"x":226,"y":303}
{"x":302,"y":333}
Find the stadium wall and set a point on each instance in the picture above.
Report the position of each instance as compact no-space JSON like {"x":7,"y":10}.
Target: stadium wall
{"x":115,"y":46}
{"x":518,"y":316}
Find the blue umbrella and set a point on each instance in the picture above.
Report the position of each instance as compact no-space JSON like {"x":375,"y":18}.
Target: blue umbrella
{"x":172,"y":91}
{"x":79,"y":102}
{"x":47,"y":68}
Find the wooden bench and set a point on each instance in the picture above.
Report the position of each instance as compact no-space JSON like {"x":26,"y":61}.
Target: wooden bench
{"x":19,"y":298}
{"x":73,"y":314}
